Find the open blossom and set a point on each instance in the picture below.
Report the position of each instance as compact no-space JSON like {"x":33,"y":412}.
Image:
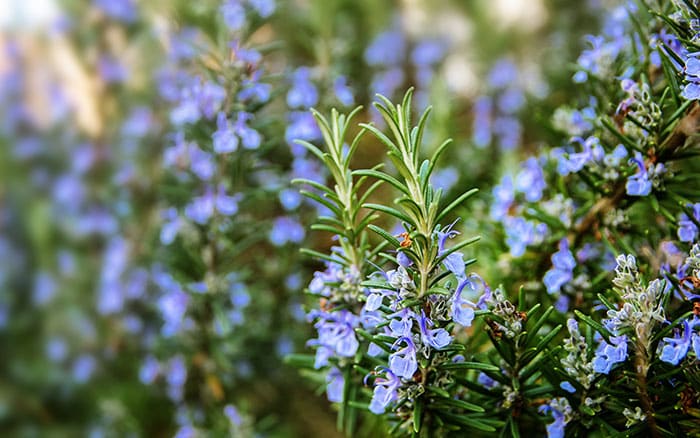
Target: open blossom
{"x":562,"y":271}
{"x":608,"y":355}
{"x":385,"y":392}
{"x":687,"y":229}
{"x":403,"y":362}
{"x":675,"y":349}
{"x":436,"y":338}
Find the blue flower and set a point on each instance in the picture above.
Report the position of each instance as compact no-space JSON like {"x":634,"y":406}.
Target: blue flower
{"x":385,"y":392}
{"x":402,"y":327}
{"x":335,"y":384}
{"x":224,"y":138}
{"x":342,"y":92}
{"x":481,"y":129}
{"x":403,"y":362}
{"x":687,"y":230}
{"x":521,"y":233}
{"x":264,"y":8}
{"x":336,"y":333}
{"x":249,"y":137}
{"x":387,"y":49}
{"x":568,"y":387}
{"x":638,"y":184}
{"x":607,"y":355}
{"x":120,"y":10}
{"x":286,"y":230}
{"x":530,"y":180}
{"x":503,"y":195}
{"x":435,"y":338}
{"x":149,"y":370}
{"x":233,"y":13}
{"x":559,"y":408}
{"x":463,"y":309}
{"x":303,"y":93}
{"x":562,"y":271}
{"x":676,"y":348}
{"x":428,"y":52}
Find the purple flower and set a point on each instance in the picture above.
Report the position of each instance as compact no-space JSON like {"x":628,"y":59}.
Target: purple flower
{"x":249,"y":137}
{"x":201,"y":209}
{"x":568,"y":387}
{"x":503,"y":195}
{"x":503,"y":74}
{"x":555,"y":429}
{"x":562,"y":272}
{"x":290,"y":199}
{"x":530,"y":180}
{"x":233,"y":415}
{"x":436,"y":338}
{"x":342,"y":91}
{"x":638,"y":184}
{"x":225,"y":204}
{"x":402,"y":327}
{"x":83,"y":368}
{"x":385,"y":392}
{"x":233,"y":13}
{"x":675,"y":349}
{"x":286,"y":230}
{"x":387,"y":49}
{"x":111,"y":70}
{"x":521,"y":233}
{"x":303,"y":93}
{"x":609,"y":354}
{"x":149,"y":370}
{"x":225,"y":140}
{"x":335,"y":385}
{"x":428,"y":52}
{"x":483,"y":107}
{"x":176,"y":376}
{"x":403,"y":362}
{"x":171,"y":226}
{"x":687,"y":230}
{"x":302,"y":126}
{"x":336,"y":335}
{"x":463,"y":309}
{"x":264,"y":8}
{"x":254,"y":89}
{"x":120,"y":10}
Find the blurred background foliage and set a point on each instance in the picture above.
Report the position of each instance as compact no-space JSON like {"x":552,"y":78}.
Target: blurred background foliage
{"x":86,"y":130}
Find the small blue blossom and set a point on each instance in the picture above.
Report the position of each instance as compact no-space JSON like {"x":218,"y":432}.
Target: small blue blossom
{"x":562,"y":272}
{"x":303,"y":93}
{"x":233,"y":13}
{"x":607,"y":355}
{"x":530,"y":180}
{"x":264,"y":8}
{"x":435,"y":338}
{"x":342,"y":91}
{"x":504,"y":196}
{"x":224,"y":138}
{"x":387,"y":49}
{"x":385,"y":392}
{"x":675,"y":349}
{"x":687,"y":229}
{"x":463,"y":309}
{"x":521,"y":233}
{"x":403,"y":362}
{"x":639,"y":184}
{"x":335,"y":384}
{"x":286,"y":230}
{"x":120,"y":10}
{"x":560,"y":409}
{"x":568,"y":387}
